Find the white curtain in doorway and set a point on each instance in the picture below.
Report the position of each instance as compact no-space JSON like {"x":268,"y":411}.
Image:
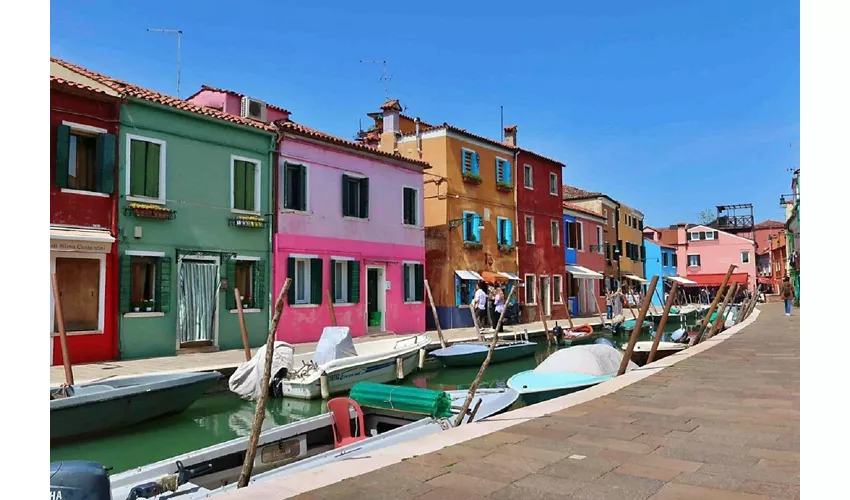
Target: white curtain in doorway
{"x":198,"y":284}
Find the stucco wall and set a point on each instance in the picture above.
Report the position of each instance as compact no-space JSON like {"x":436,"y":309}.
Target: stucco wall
{"x":716,"y":255}
{"x":592,"y":260}
{"x":610,"y":230}
{"x":632,"y":235}
{"x":655,"y":267}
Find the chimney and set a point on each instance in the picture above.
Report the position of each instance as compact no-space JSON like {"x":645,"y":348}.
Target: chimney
{"x":390,"y":111}
{"x":510,"y":135}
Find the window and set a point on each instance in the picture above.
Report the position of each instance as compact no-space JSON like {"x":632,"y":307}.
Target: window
{"x":345,"y":280}
{"x":693,"y":260}
{"x":553,"y":183}
{"x":471,"y":227}
{"x":599,"y":239}
{"x":245,"y":282}
{"x":642,"y":253}
{"x":248,"y":275}
{"x":709,"y":235}
{"x":580,"y":236}
{"x":527,"y":177}
{"x":469,"y":162}
{"x":294,"y":187}
{"x":503,"y":172}
{"x":640,"y":224}
{"x":608,"y":251}
{"x":555,"y":232}
{"x":503,"y":231}
{"x":675,"y":260}
{"x":146,"y":171}
{"x":79,"y":281}
{"x":664,"y":259}
{"x":745,"y":257}
{"x":529,"y":229}
{"x":464,"y":290}
{"x":634,"y":222}
{"x":146,"y":283}
{"x":574,"y":235}
{"x":628,"y":219}
{"x":618,"y":215}
{"x":306,"y":274}
{"x":605,"y":213}
{"x":530,"y":289}
{"x":414,"y":282}
{"x":245,"y":184}
{"x":557,"y":282}
{"x":85,"y":158}
{"x":355,"y":196}
{"x":410,"y":207}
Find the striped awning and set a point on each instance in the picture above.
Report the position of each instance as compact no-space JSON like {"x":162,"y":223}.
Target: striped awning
{"x":680,"y":280}
{"x":468,"y":275}
{"x":636,"y":278}
{"x":583,"y":272}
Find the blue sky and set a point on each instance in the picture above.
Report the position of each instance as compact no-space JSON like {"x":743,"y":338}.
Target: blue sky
{"x":671,"y":107}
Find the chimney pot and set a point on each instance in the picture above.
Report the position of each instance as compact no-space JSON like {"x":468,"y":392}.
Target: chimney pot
{"x":510,"y":135}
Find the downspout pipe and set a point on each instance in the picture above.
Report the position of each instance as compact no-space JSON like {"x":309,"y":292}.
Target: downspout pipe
{"x":276,"y":143}
{"x":116,"y":253}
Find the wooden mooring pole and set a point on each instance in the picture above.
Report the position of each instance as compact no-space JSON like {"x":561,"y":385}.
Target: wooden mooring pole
{"x":260,"y":411}
{"x":477,"y":381}
{"x":716,"y":300}
{"x":542,"y":317}
{"x":638,"y":327}
{"x":245,"y":344}
{"x":434,"y":312}
{"x":63,"y":335}
{"x":721,"y":318}
{"x":671,"y":297}
{"x":331,"y":307}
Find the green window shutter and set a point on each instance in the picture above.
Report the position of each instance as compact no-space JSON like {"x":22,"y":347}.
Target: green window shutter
{"x":137,"y":168}
{"x":239,"y":168}
{"x":63,"y":147}
{"x":106,"y":145}
{"x":260,"y":284}
{"x":354,"y":281}
{"x":250,"y":172}
{"x":152,"y":167}
{"x":364,"y":198}
{"x":230,"y":273}
{"x":345,"y":197}
{"x":125,"y":283}
{"x":316,"y":281}
{"x":290,"y":273}
{"x":333,"y":280}
{"x":419,"y":282}
{"x":406,"y":279}
{"x":163,"y":284}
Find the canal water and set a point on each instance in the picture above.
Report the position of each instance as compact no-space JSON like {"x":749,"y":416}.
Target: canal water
{"x":217,"y":418}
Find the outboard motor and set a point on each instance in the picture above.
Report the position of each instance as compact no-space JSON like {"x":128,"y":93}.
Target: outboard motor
{"x":79,"y":480}
{"x":558,"y":332}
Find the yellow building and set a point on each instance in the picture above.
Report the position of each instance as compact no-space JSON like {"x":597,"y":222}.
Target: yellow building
{"x":469,"y":206}
{"x":632,"y":251}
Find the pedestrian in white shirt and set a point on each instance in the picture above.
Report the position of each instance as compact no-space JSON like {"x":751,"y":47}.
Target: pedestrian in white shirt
{"x":479,"y":303}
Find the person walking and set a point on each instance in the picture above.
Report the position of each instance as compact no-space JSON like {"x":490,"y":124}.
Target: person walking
{"x":499,"y":301}
{"x":479,"y":303}
{"x":787,"y":292}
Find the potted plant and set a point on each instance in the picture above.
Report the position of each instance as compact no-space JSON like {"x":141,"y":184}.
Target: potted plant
{"x":137,"y":306}
{"x":248,"y":302}
{"x":506,"y":248}
{"x":148,"y":306}
{"x":472,"y":245}
{"x":504,"y":186}
{"x":471,"y":178}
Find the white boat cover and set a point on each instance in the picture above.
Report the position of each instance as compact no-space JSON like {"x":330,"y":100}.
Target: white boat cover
{"x":335,"y":343}
{"x":594,"y":359}
{"x":247,"y":380}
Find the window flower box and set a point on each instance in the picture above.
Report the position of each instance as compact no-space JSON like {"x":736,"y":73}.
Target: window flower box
{"x":471,"y":178}
{"x":250,"y":221}
{"x":149,"y":211}
{"x":473,"y":245}
{"x":507,"y":248}
{"x":247,"y":302}
{"x":504,"y":186}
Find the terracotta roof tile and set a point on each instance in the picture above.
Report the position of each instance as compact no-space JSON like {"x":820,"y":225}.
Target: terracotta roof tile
{"x":79,"y":86}
{"x":234,"y":93}
{"x":297,"y":128}
{"x":579,"y":208}
{"x":769,"y":224}
{"x":391,"y":104}
{"x":130,"y":90}
{"x":538,"y":155}
{"x":573,"y":193}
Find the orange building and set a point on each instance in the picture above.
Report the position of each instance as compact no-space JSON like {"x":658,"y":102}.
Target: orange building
{"x":469,"y":206}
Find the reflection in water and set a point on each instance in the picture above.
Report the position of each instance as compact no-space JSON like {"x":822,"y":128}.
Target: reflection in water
{"x":220,"y":417}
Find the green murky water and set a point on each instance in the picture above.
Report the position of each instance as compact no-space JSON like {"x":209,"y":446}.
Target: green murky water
{"x":220,"y":417}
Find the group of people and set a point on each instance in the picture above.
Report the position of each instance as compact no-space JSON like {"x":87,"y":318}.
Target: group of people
{"x":488,"y":302}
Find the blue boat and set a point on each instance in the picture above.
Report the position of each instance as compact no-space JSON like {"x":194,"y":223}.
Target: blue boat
{"x":629,"y":324}
{"x":567,"y":371}
{"x":473,"y":353}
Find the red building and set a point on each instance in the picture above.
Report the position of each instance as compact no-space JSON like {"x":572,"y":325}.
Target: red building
{"x":540,"y":239}
{"x":585,"y":279}
{"x":83,"y":215}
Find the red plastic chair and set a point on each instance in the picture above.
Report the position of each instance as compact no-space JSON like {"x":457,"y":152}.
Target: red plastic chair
{"x":339,"y":408}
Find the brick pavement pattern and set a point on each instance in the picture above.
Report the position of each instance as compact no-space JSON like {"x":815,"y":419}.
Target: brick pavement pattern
{"x":724,"y":424}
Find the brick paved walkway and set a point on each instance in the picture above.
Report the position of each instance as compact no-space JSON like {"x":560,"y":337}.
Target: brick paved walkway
{"x":723,"y":424}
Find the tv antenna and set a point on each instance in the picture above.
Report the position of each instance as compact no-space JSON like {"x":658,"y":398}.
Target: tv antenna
{"x":179,"y":34}
{"x":385,"y":78}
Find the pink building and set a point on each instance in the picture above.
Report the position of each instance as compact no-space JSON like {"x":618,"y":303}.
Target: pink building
{"x":348,"y":225}
{"x":704,"y":255}
{"x":585,"y":235}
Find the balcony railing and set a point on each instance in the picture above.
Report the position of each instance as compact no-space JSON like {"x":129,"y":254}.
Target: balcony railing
{"x":785,"y":199}
{"x":597,"y":248}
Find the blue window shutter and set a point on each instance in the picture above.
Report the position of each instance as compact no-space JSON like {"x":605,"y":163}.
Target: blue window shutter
{"x":508,"y":235}
{"x":457,"y":290}
{"x":465,"y":158}
{"x":475,"y":164}
{"x":476,"y":227}
{"x":507,"y":172}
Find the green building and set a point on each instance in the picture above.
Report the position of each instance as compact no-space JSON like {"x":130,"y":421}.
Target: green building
{"x":194,"y":223}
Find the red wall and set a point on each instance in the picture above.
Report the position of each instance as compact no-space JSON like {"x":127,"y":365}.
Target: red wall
{"x":83,"y":210}
{"x":592,"y":260}
{"x":540,"y":258}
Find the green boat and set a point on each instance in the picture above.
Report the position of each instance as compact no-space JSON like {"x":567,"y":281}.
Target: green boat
{"x":473,"y":353}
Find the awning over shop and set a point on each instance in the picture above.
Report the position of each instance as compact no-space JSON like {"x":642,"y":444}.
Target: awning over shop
{"x":766,"y":280}
{"x":510,"y":276}
{"x":583,"y":272}
{"x":80,"y":240}
{"x":636,"y":278}
{"x":468,"y":275}
{"x":680,"y":280}
{"x":491,"y":277}
{"x":710,"y":280}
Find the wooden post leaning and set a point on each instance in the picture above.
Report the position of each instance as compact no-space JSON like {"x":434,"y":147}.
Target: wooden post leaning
{"x":245,"y":344}
{"x":331,"y":307}
{"x":661,"y":324}
{"x":567,"y":307}
{"x":434,"y":312}
{"x":721,"y":319}
{"x":638,"y":326}
{"x":542,"y":317}
{"x":477,"y":381}
{"x":260,"y":412}
{"x":716,"y":300}
{"x":63,"y":335}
